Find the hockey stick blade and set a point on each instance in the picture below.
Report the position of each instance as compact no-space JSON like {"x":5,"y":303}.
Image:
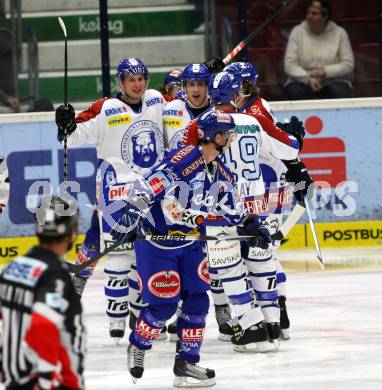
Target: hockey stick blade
{"x":313,"y":229}
{"x":292,"y":219}
{"x":62,"y":24}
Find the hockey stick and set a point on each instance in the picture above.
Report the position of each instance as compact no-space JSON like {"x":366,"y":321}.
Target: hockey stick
{"x":241,"y":45}
{"x":312,"y":227}
{"x":75,"y":268}
{"x":292,"y":219}
{"x":62,"y":24}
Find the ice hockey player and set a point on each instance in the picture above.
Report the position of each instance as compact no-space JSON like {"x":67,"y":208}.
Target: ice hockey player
{"x":4,"y":183}
{"x":178,"y":113}
{"x":276,"y":174}
{"x":256,"y":327}
{"x":171,"y":85}
{"x":190,"y":183}
{"x":44,"y":340}
{"x":128,"y":134}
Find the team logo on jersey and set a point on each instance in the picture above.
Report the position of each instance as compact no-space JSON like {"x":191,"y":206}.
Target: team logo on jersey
{"x":177,"y":140}
{"x":142,"y":146}
{"x":164,"y":284}
{"x":255,"y":110}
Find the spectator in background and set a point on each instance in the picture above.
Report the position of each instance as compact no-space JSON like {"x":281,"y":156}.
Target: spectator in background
{"x":319,"y":60}
{"x":6,"y":70}
{"x":9,"y":101}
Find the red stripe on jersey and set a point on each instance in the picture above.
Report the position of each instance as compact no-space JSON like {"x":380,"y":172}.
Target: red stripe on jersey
{"x":191,"y":135}
{"x":92,"y":111}
{"x":43,"y":337}
{"x":69,"y":378}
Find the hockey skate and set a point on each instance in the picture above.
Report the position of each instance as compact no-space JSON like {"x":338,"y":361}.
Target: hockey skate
{"x":135,"y":360}
{"x":273,"y":333}
{"x":223,"y":318}
{"x":171,"y":330}
{"x":117,"y":330}
{"x":253,"y":339}
{"x":229,"y":329}
{"x":79,"y":284}
{"x":284,"y":320}
{"x":192,"y":375}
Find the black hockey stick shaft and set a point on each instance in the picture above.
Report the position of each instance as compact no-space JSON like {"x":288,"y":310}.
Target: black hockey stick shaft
{"x":241,"y":45}
{"x":62,"y":24}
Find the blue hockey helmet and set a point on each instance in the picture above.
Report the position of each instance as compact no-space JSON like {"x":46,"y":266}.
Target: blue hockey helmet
{"x":223,"y":86}
{"x":212,"y":122}
{"x":173,"y":77}
{"x":244,"y":70}
{"x":195,"y":72}
{"x":131,"y":67}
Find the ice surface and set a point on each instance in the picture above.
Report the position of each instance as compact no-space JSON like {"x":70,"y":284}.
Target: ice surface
{"x":336,"y":340}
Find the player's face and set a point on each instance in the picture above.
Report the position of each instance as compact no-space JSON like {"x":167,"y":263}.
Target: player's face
{"x":225,"y":141}
{"x":196,"y":91}
{"x":134,"y":86}
{"x":315,"y":18}
{"x":173,"y":89}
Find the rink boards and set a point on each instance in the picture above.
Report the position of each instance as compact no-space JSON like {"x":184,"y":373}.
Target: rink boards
{"x":341,"y":148}
{"x":330,"y":235}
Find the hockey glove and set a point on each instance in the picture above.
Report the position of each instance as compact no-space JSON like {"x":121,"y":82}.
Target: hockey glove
{"x":129,"y":226}
{"x":65,"y":121}
{"x":298,"y":175}
{"x":254,"y":227}
{"x":294,"y":127}
{"x":215,"y":65}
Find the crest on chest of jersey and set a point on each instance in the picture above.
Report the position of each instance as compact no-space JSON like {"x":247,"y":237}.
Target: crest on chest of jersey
{"x":177,"y":140}
{"x":142,"y":146}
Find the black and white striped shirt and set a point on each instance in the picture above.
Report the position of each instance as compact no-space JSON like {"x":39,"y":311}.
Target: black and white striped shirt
{"x":43,"y":335}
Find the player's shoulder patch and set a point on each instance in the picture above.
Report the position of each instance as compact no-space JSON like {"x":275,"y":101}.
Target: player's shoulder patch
{"x":175,"y":108}
{"x":153,"y":97}
{"x":25,"y":270}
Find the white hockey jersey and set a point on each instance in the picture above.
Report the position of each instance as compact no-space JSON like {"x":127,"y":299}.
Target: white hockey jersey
{"x":273,"y":170}
{"x":129,"y":144}
{"x":176,"y":117}
{"x":128,"y":140}
{"x":243,"y":158}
